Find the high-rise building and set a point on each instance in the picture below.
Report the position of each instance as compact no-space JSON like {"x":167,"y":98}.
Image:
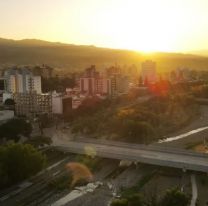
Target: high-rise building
{"x":87,"y":81}
{"x":148,"y":72}
{"x":24,"y":87}
{"x":110,"y":84}
{"x":22,"y":80}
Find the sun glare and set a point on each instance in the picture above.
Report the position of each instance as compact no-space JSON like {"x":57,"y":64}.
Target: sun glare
{"x":141,"y":27}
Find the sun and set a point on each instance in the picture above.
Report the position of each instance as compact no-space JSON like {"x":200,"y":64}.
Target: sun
{"x":139,"y":26}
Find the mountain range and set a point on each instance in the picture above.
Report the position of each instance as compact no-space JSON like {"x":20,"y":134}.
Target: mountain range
{"x":70,"y":58}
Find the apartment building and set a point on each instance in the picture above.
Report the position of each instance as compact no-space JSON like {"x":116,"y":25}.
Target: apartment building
{"x":22,"y":80}
{"x":32,"y":104}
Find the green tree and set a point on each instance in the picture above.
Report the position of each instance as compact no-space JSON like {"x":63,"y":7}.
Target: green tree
{"x":43,"y":122}
{"x":140,"y":132}
{"x":174,"y":197}
{"x":135,"y":200}
{"x":119,"y":202}
{"x":15,"y":128}
{"x":19,"y":161}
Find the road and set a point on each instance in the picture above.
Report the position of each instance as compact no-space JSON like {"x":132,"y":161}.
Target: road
{"x":155,"y":155}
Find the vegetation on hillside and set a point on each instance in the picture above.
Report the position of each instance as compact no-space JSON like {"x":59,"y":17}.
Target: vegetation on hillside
{"x":136,"y":122}
{"x":76,"y":58}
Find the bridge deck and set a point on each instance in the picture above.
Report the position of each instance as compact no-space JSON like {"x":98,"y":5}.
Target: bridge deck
{"x":156,"y":155}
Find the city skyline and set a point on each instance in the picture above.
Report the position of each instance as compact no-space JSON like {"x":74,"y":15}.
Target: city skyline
{"x":171,"y":26}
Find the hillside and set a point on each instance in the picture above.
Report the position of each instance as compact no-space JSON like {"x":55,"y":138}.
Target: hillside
{"x":70,"y":57}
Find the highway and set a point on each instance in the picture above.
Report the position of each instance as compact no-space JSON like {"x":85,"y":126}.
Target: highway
{"x":155,"y":155}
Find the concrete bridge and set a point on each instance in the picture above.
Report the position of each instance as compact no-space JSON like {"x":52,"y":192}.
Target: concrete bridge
{"x":155,"y":155}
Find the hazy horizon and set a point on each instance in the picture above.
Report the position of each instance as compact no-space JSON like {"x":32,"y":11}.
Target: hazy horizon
{"x":202,"y":52}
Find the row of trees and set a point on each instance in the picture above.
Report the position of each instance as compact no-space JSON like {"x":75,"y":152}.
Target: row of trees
{"x":18,"y":162}
{"x":173,"y":197}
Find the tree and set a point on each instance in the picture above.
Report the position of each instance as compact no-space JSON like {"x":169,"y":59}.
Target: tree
{"x":119,"y":202}
{"x":174,"y":197}
{"x":135,"y":131}
{"x":135,"y":200}
{"x":19,"y":161}
{"x":132,"y":200}
{"x":15,"y":128}
{"x":43,"y":122}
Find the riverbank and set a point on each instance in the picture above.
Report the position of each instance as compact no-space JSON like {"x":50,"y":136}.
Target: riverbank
{"x":193,"y":137}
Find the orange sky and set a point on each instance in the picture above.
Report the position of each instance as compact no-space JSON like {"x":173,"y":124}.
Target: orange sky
{"x":146,"y":25}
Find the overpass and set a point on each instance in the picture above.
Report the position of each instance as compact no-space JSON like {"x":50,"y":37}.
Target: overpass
{"x":155,"y":155}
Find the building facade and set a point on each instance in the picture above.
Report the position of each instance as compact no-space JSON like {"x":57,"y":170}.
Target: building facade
{"x":61,"y":104}
{"x":44,"y":71}
{"x":111,"y":84}
{"x":22,"y":80}
{"x":32,"y":104}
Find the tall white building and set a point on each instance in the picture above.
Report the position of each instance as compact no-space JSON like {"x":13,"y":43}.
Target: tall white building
{"x":22,"y":81}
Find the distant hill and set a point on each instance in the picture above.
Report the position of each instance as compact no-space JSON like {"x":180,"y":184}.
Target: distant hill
{"x":68,"y":57}
{"x":201,"y":52}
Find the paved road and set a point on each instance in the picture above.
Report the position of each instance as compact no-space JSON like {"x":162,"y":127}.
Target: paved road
{"x":156,"y":155}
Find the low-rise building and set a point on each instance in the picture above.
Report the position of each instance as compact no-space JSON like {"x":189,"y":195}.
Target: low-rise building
{"x":61,"y":104}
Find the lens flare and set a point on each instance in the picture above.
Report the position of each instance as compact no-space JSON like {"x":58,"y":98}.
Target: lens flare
{"x":90,"y":151}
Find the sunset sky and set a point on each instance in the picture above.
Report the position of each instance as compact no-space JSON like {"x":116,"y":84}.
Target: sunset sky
{"x":146,"y":25}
